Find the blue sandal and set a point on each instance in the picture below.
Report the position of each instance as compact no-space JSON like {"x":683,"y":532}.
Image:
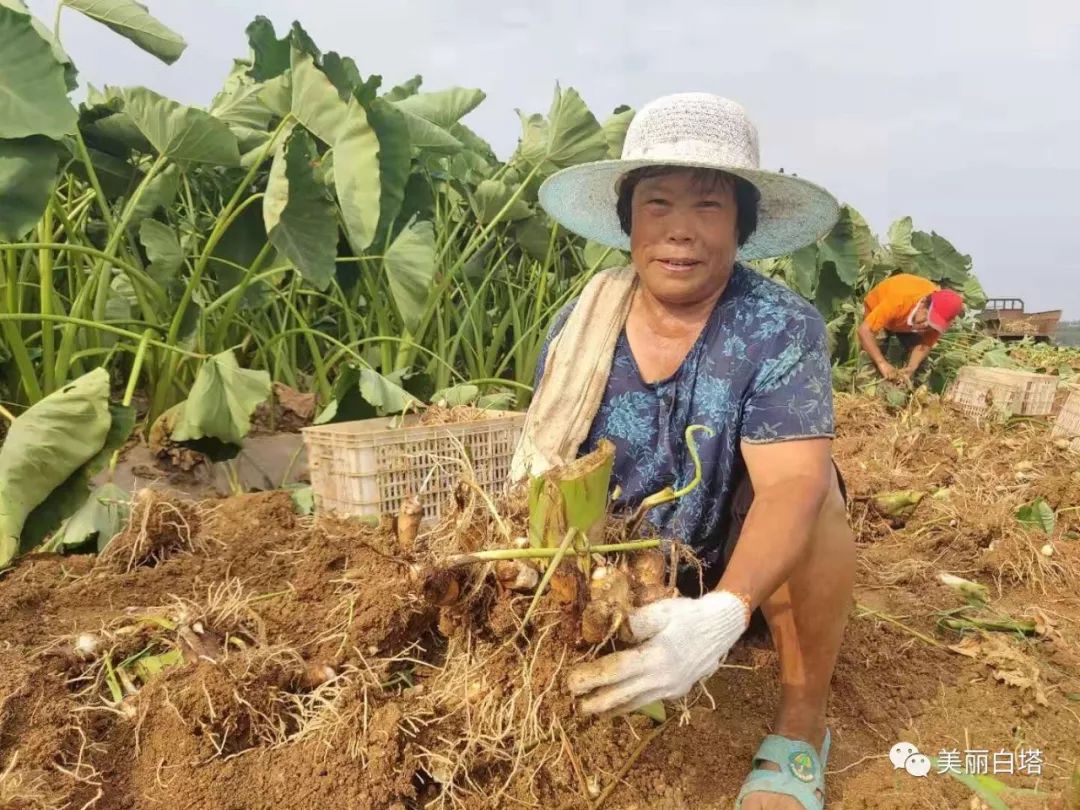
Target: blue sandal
{"x":801,"y":774}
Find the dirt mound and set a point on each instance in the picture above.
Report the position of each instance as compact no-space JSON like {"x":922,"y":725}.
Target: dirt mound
{"x":232,"y":654}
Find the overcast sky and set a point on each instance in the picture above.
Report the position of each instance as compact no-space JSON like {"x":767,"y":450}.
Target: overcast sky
{"x":964,"y":114}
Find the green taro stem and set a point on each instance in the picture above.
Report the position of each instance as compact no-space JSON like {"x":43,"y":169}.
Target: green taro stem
{"x":667,"y":494}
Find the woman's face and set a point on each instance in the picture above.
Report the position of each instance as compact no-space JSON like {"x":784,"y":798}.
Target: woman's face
{"x":683,"y":236}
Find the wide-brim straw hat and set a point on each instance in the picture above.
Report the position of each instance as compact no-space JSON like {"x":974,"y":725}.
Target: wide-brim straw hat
{"x":692,"y":130}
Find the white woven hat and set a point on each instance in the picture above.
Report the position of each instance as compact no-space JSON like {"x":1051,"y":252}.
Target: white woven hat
{"x":692,"y":130}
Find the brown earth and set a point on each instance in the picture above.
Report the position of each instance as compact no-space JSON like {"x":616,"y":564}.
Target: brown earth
{"x":261,"y":602}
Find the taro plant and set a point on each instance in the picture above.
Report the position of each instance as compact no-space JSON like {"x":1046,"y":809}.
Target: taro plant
{"x":307,"y":219}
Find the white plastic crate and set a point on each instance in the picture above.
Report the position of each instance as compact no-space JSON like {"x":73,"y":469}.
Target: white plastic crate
{"x":1067,"y":424}
{"x":368,"y":467}
{"x":978,"y":391}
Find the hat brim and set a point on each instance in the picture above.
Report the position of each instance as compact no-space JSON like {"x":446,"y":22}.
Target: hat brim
{"x":936,"y":322}
{"x":792,"y":212}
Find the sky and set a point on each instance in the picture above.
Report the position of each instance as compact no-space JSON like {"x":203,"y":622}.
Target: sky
{"x":963,"y":114}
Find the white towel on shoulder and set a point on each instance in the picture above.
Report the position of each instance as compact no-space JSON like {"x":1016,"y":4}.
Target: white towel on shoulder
{"x":575,"y":375}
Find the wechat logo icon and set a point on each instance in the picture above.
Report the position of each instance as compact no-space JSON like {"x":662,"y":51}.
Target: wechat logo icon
{"x":905,"y":755}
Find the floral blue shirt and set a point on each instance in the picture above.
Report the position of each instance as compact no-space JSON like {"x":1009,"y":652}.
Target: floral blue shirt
{"x":758,"y":372}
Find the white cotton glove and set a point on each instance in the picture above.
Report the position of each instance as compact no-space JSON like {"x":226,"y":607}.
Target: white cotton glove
{"x":683,"y":641}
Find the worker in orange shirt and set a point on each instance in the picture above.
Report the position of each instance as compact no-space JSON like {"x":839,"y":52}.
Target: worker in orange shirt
{"x":912,"y":309}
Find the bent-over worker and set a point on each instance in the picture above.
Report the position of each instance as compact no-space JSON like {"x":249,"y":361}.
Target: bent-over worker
{"x":911,"y":309}
{"x":685,"y":335}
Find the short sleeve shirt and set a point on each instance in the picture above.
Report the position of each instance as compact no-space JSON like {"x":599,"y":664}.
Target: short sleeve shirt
{"x":887,"y":307}
{"x":759,"y":372}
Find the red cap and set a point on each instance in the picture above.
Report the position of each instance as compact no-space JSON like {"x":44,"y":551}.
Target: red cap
{"x":945,"y":305}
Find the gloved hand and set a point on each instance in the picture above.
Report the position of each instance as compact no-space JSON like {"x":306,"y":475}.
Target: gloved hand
{"x":684,"y":640}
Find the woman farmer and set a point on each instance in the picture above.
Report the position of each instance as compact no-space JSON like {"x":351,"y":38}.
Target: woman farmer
{"x":686,"y":335}
{"x":911,"y":309}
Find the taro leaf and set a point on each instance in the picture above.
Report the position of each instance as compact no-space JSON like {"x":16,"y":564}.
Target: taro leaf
{"x":70,"y":73}
{"x":27,"y":178}
{"x":61,"y":503}
{"x":894,"y":395}
{"x":132,"y":21}
{"x":145,"y":667}
{"x":491,"y":196}
{"x":418,"y":384}
{"x":116,"y":134}
{"x":601,"y":256}
{"x":394,"y":162}
{"x":344,"y":74}
{"x":245,"y":113}
{"x":240,"y":106}
{"x":443,"y":108}
{"x":383,"y":393}
{"x":997,"y":358}
{"x":469,"y":168}
{"x":121,"y":425}
{"x":181,"y":133}
{"x":403,"y":91}
{"x":410,"y":268}
{"x":300,"y":41}
{"x":68,"y":498}
{"x":315,"y":101}
{"x":158,"y":193}
{"x":117,"y":176}
{"x":615,"y":131}
{"x":347,"y":404}
{"x":98,"y":520}
{"x":270,"y":55}
{"x":162,"y":248}
{"x":425,"y":135}
{"x":298,"y":213}
{"x":973,"y":293}
{"x":368,"y":91}
{"x":433,"y":119}
{"x":804,"y":270}
{"x":45,"y":446}
{"x":498,"y":401}
{"x":926,"y":264}
{"x":900,"y":503}
{"x":533,"y":235}
{"x":303,"y":499}
{"x":476,"y":268}
{"x":276,"y":94}
{"x":831,"y":292}
{"x":955,"y":267}
{"x":235,"y":80}
{"x":847,"y":245}
{"x":236,"y":252}
{"x":418,"y":201}
{"x":356,"y":176}
{"x":120,"y":303}
{"x":456,"y":395}
{"x":1038,"y":514}
{"x":903,"y":252}
{"x":221,"y":401}
{"x":473,"y":143}
{"x":569,"y":135}
{"x":33,"y":89}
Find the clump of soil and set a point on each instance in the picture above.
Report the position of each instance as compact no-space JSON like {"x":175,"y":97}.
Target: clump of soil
{"x":301,"y":664}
